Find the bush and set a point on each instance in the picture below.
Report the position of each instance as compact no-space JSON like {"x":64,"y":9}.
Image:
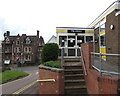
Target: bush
{"x":55,"y":64}
{"x":49,"y":52}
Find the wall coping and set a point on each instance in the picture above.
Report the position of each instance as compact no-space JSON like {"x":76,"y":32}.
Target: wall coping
{"x":51,"y":68}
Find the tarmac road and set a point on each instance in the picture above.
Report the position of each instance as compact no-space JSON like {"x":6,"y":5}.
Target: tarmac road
{"x":23,"y":85}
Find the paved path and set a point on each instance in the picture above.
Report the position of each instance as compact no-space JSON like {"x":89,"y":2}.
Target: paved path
{"x":21,"y":85}
{"x":34,"y":89}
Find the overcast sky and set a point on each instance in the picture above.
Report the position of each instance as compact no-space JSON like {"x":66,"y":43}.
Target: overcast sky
{"x":27,"y":16}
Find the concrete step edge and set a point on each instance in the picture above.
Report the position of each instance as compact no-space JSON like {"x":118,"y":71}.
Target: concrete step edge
{"x":71,"y":70}
{"x":73,"y":75}
{"x":75,"y":87}
{"x":79,"y":80}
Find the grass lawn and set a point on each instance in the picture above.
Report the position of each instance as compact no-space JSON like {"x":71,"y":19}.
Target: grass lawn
{"x":9,"y":75}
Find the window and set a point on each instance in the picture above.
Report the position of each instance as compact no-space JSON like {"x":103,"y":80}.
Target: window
{"x":71,"y":41}
{"x":27,"y":58}
{"x":28,"y":49}
{"x":102,"y":39}
{"x":80,"y":40}
{"x":28,"y":40}
{"x":19,"y":49}
{"x":63,"y":41}
{"x":16,"y":49}
{"x":89,"y":38}
{"x":102,"y":28}
{"x":17,"y":42}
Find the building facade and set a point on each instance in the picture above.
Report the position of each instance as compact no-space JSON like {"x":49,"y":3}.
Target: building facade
{"x":71,"y":38}
{"x":107,"y":30}
{"x":21,"y":49}
{"x":107,"y":33}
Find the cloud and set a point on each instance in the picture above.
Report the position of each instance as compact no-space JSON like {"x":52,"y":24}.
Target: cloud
{"x":27,"y":16}
{"x":3,"y":27}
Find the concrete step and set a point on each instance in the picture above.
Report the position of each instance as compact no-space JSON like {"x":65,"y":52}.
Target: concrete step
{"x":75,"y":90}
{"x":75,"y":87}
{"x":73,"y":71}
{"x":73,"y":67}
{"x":74,"y":82}
{"x":72,"y":60}
{"x":73,"y":76}
{"x":71,"y":81}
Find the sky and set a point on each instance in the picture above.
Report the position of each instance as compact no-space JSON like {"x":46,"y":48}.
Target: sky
{"x":28,"y":16}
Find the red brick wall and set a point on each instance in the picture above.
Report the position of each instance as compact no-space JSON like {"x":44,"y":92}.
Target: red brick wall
{"x":56,"y":87}
{"x":95,"y":83}
{"x":107,"y":85}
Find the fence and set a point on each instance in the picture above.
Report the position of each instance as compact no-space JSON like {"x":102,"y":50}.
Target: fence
{"x":106,"y":63}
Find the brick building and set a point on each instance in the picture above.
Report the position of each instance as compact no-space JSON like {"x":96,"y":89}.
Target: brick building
{"x":25,"y":49}
{"x":106,"y":27}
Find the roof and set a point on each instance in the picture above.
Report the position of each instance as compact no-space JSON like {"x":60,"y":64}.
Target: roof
{"x":33,"y":39}
{"x":53,"y":37}
{"x":75,"y":28}
{"x":112,"y":7}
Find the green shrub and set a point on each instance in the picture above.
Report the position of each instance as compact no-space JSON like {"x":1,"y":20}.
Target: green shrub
{"x":49,"y":52}
{"x":55,"y":64}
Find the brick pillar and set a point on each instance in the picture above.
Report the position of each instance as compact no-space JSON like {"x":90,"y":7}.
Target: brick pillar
{"x":87,"y":48}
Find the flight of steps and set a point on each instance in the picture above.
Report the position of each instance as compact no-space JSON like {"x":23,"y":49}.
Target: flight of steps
{"x":74,"y":78}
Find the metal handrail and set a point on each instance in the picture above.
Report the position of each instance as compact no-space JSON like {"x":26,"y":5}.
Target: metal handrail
{"x":105,"y":54}
{"x":83,"y":61}
{"x":104,"y":71}
{"x":47,"y":80}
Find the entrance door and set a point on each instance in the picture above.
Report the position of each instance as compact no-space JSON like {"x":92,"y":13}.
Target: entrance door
{"x":80,"y":40}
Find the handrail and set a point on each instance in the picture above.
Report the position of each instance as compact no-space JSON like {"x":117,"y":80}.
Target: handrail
{"x":105,"y":54}
{"x":47,"y":80}
{"x":102,"y":71}
{"x":99,"y":69}
{"x":83,"y":61}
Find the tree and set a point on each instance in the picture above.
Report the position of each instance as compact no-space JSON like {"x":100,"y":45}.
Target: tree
{"x":50,"y":52}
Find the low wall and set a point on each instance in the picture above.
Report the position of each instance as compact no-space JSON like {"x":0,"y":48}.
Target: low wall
{"x":97,"y":84}
{"x":56,"y":87}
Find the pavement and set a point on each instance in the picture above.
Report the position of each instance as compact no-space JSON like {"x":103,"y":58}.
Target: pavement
{"x":26,"y":85}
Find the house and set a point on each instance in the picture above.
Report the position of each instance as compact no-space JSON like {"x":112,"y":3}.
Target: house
{"x":21,"y":49}
{"x":53,"y":39}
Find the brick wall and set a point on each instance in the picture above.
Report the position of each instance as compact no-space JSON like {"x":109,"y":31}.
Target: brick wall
{"x":56,"y":87}
{"x":96,"y":84}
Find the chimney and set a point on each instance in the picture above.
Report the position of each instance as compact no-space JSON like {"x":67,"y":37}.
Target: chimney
{"x":38,"y":33}
{"x":8,"y":33}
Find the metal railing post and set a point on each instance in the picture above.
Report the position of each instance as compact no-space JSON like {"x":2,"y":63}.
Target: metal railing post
{"x":101,"y":64}
{"x":62,"y":57}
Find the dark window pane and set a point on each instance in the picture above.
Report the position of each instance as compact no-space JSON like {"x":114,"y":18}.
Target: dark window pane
{"x":71,"y":52}
{"x":89,"y":38}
